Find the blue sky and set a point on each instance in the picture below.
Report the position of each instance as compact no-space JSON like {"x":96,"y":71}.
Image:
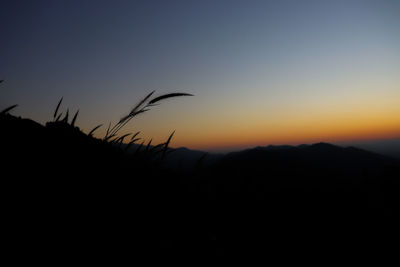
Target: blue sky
{"x":261,"y":70}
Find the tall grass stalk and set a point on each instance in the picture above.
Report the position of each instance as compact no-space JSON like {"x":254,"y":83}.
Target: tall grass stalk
{"x":142,"y":107}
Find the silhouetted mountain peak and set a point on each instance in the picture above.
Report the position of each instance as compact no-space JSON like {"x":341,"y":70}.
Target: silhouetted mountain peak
{"x":274,"y":147}
{"x":318,"y":154}
{"x":324,"y":145}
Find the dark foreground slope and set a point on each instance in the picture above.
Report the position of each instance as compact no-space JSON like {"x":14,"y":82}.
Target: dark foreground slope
{"x":67,"y":194}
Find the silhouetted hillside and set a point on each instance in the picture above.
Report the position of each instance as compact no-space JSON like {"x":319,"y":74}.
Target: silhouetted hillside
{"x":69,"y":189}
{"x":390,"y":147}
{"x":64,"y":189}
{"x":311,"y":168}
{"x":183,"y":159}
{"x":320,"y":154}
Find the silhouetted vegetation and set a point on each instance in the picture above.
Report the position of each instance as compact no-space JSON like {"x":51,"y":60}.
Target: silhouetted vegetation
{"x":69,"y":191}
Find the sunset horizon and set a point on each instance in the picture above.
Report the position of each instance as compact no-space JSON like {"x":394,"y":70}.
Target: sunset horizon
{"x":261,"y":73}
{"x":187,"y":130}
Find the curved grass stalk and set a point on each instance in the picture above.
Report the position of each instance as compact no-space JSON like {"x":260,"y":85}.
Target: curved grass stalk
{"x":140,"y":108}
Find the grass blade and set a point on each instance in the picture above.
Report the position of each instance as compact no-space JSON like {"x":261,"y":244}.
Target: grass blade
{"x":74,"y":119}
{"x":59,"y":117}
{"x":108,"y":130}
{"x":6,"y":110}
{"x":141,"y":103}
{"x":94,"y":129}
{"x":136,"y":134}
{"x":66,"y":117}
{"x":134,"y":140}
{"x":148,"y":145}
{"x":58,"y":106}
{"x":166,"y":145}
{"x":162,"y":97}
{"x":154,"y":149}
{"x":124,"y":120}
{"x":136,"y":110}
{"x":109,"y":137}
{"x":121,"y":139}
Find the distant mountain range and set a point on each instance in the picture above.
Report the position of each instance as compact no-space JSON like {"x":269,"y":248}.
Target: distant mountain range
{"x":185,"y":159}
{"x":319,"y":153}
{"x":389,"y":147}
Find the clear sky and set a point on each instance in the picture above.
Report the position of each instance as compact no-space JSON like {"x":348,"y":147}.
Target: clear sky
{"x":262,"y":72}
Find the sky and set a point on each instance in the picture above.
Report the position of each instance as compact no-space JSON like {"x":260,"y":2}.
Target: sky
{"x":262,"y":72}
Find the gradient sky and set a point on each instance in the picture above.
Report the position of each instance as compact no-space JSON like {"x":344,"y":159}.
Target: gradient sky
{"x":262,"y":72}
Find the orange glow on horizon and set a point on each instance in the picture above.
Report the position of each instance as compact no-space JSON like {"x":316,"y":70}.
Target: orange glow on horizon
{"x":356,"y":117}
{"x":216,"y":145}
{"x":298,"y":133}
